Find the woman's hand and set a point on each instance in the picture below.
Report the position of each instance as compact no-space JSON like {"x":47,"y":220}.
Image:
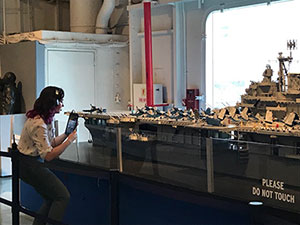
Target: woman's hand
{"x":56,"y":151}
{"x":72,"y":136}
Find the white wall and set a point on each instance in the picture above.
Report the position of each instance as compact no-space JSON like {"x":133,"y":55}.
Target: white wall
{"x":74,"y":71}
{"x":162,"y":47}
{"x":112,"y":78}
{"x":100,"y":70}
{"x":89,"y":74}
{"x":162,"y":41}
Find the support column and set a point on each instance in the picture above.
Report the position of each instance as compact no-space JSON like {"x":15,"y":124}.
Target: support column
{"x":210,"y":165}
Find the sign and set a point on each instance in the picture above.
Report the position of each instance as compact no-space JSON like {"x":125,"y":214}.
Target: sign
{"x":273,"y":189}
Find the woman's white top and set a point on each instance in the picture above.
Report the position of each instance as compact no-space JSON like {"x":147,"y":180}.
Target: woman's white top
{"x":36,"y":137}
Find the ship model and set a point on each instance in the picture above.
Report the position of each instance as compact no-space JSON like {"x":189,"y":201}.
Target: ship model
{"x":258,"y":139}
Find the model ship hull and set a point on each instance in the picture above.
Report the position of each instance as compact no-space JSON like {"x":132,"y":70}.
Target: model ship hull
{"x":238,"y":165}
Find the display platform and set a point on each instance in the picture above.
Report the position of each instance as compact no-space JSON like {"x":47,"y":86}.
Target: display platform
{"x":159,"y":185}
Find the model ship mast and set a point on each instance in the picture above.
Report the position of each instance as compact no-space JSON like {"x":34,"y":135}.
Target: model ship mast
{"x":283,"y":73}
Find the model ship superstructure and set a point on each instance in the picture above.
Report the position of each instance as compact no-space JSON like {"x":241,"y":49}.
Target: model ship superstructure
{"x":281,"y":96}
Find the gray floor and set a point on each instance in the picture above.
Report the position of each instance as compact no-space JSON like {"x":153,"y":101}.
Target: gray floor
{"x":5,"y":211}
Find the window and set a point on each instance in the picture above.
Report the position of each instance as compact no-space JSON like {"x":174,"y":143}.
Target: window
{"x":242,"y":41}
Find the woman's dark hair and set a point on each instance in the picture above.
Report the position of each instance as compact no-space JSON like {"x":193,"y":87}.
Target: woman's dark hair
{"x":45,"y":105}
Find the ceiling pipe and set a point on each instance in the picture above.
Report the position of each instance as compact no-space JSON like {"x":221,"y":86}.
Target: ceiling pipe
{"x":148,"y":53}
{"x":83,"y":14}
{"x":4,"y":20}
{"x":104,"y":16}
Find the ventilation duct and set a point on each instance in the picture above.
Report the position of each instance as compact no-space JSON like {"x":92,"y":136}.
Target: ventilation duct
{"x":104,"y":16}
{"x":83,"y":14}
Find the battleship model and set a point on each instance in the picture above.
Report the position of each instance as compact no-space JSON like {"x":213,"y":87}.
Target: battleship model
{"x":281,"y":96}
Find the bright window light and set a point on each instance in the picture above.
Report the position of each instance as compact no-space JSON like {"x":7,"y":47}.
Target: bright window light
{"x":241,"y":42}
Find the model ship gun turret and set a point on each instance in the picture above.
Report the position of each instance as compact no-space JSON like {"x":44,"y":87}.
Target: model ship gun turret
{"x":281,"y":96}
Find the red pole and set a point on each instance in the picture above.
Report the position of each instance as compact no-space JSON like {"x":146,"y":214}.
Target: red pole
{"x":148,"y":53}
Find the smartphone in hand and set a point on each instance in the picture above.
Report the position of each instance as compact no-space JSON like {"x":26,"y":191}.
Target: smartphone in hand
{"x":72,"y":123}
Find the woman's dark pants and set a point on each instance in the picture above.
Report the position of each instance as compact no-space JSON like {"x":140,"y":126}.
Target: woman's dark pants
{"x":56,"y":196}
